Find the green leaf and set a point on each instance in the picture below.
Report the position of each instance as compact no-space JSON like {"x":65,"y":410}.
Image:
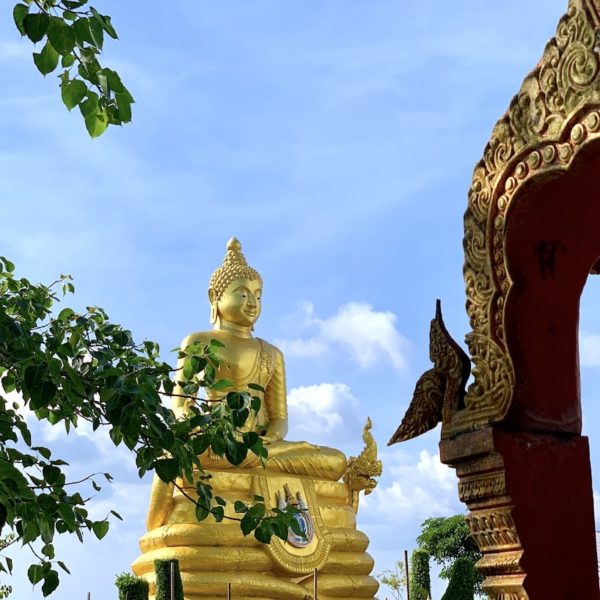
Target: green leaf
{"x":46,"y":60}
{"x":81,"y":28}
{"x":114,"y":80}
{"x":51,"y":474}
{"x":36,"y":26}
{"x":100,"y":528}
{"x":67,"y":61}
{"x":255,"y":386}
{"x":96,"y":124}
{"x":9,"y":383}
{"x":96,"y":33}
{"x":38,"y":388}
{"x":9,"y":266}
{"x":19,"y":13}
{"x":62,"y":565}
{"x":221,"y":384}
{"x":61,"y":36}
{"x":72,"y":92}
{"x":240,"y":507}
{"x":90,"y":105}
{"x":103,"y":81}
{"x":123,"y":107}
{"x":48,"y":550}
{"x":35,"y":573}
{"x":51,"y":582}
{"x":218,"y":513}
{"x":263,"y":533}
{"x":201,"y":512}
{"x":167,"y":469}
{"x":104,"y":21}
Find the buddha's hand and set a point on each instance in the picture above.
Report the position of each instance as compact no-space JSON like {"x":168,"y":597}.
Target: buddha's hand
{"x":268,"y":438}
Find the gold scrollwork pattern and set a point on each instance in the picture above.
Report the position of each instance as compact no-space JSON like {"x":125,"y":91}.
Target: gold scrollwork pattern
{"x":554,"y":115}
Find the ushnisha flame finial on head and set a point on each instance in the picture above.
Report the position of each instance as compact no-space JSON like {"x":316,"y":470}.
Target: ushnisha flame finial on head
{"x":234,"y":267}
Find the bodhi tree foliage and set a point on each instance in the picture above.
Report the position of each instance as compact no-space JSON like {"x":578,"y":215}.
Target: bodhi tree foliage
{"x":66,"y":367}
{"x":70,"y":34}
{"x":446,"y":539}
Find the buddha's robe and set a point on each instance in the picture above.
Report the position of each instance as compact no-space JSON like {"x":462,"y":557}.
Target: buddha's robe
{"x":268,"y":370}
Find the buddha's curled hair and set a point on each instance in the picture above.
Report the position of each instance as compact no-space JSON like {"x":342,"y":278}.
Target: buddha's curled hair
{"x":234,"y":267}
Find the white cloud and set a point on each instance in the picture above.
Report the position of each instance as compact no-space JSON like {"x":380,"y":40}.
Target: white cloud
{"x":325,"y":413}
{"x":589,"y":349}
{"x":366,"y":334}
{"x":419,"y":490}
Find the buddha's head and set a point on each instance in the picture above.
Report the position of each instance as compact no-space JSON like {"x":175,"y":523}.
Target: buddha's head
{"x":235,"y":289}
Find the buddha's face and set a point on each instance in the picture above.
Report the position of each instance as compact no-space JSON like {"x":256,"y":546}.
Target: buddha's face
{"x":241,"y":302}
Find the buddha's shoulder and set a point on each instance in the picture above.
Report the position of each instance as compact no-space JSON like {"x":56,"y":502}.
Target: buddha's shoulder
{"x":271,"y":349}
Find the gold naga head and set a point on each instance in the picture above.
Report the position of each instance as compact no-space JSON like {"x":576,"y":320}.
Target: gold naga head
{"x":235,"y":288}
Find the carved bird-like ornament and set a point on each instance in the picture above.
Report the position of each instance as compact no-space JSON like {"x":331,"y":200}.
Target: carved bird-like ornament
{"x":440,"y":391}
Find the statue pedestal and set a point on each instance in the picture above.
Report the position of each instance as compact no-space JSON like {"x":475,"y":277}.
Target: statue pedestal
{"x":211,"y":554}
{"x":531,"y":511}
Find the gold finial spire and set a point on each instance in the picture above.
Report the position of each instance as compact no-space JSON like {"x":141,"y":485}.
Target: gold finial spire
{"x":234,"y":245}
{"x":234,"y":267}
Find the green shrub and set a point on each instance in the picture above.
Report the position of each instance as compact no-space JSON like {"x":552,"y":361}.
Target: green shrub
{"x":462,"y":581}
{"x":163,"y":580}
{"x":131,"y":587}
{"x":420,"y":582}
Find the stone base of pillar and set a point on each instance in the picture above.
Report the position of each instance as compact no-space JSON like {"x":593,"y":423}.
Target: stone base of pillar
{"x":530,"y":502}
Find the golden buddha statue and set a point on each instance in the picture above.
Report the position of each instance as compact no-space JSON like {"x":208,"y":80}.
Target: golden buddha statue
{"x":211,"y":554}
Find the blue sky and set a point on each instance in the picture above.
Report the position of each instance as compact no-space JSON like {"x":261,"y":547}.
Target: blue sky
{"x":336,"y":140}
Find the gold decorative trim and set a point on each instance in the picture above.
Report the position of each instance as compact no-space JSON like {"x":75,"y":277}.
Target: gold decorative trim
{"x":500,"y":563}
{"x":494,"y":529}
{"x":551,"y":118}
{"x":297,"y":563}
{"x":480,"y":487}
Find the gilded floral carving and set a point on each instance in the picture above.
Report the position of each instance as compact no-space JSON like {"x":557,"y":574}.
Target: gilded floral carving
{"x":550,"y":119}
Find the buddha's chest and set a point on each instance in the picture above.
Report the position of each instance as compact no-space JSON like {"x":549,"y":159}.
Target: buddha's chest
{"x":248,"y":361}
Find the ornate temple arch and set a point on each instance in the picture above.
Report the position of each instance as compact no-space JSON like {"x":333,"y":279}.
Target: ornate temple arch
{"x":532,"y":236}
{"x":553,"y":117}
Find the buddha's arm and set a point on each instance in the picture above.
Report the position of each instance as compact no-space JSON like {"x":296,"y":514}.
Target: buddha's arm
{"x":161,"y":496}
{"x":179,"y":403}
{"x":276,"y":402}
{"x":161,"y":503}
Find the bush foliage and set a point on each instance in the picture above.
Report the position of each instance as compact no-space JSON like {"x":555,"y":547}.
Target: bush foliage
{"x":463,"y":580}
{"x":420,"y":581}
{"x":131,"y":587}
{"x":163,"y":580}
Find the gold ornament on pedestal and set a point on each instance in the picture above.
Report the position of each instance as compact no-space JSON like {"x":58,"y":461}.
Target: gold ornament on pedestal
{"x":212,"y":555}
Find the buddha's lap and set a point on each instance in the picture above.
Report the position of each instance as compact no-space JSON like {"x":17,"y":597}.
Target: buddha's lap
{"x":293,"y":458}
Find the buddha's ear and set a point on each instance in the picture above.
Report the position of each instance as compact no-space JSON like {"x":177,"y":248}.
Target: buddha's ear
{"x":212,"y":298}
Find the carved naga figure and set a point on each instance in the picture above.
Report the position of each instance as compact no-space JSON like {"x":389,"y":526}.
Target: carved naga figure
{"x":531,"y":240}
